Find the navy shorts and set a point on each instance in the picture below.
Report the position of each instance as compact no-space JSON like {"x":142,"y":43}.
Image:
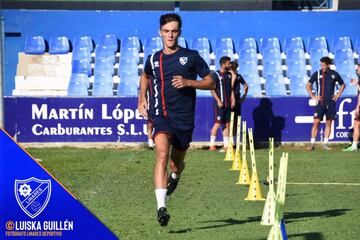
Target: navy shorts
{"x":222,"y":115}
{"x":327,"y":109}
{"x":180,"y":139}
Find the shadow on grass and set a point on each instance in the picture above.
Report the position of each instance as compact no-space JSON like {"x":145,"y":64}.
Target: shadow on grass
{"x":289,"y":218}
{"x":307,"y":236}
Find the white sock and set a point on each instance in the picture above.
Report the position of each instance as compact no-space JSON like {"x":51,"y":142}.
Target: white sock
{"x":160,"y":197}
{"x":226,"y":142}
{"x":174,"y":175}
{"x":326,"y":140}
{"x":312,"y":140}
{"x":212,"y":140}
{"x":354,"y":145}
{"x":151,"y":142}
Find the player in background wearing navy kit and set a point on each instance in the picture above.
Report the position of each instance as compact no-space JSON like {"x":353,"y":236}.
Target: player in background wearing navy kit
{"x":170,"y":74}
{"x":239,"y":99}
{"x":356,"y":133}
{"x":325,"y":80}
{"x":223,"y":101}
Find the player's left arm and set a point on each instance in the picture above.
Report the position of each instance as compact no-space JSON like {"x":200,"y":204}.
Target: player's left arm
{"x":342,"y":87}
{"x":205,"y":84}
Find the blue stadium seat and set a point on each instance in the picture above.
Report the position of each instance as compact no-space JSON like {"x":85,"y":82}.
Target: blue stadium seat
{"x":130,"y":77}
{"x":298,"y":85}
{"x":34,"y":45}
{"x":129,"y":53}
{"x":102,"y":89}
{"x":272,"y":68}
{"x":271,"y":55}
{"x":224,"y":44}
{"x":316,"y":43}
{"x":293,"y":43}
{"x":205,"y":54}
{"x":59,"y":45}
{"x":315,"y":56}
{"x":127,"y":89}
{"x":104,"y":51}
{"x":103,"y":78}
{"x":82,"y":53}
{"x":275,"y":86}
{"x":104,"y":65}
{"x":343,"y":55}
{"x":349,"y":90}
{"x":83,"y":41}
{"x":130,"y":42}
{"x":248,"y":67}
{"x":153,"y":43}
{"x":200,"y":44}
{"x":81,"y":66}
{"x":357,"y":46}
{"x":128,"y":65}
{"x":269,"y":43}
{"x":346,"y":68}
{"x":110,"y":41}
{"x":182,"y":42}
{"x":78,"y":85}
{"x":253,"y":81}
{"x":340,"y":43}
{"x":247,"y":55}
{"x":296,"y":68}
{"x":295,"y":55}
{"x":247,"y":43}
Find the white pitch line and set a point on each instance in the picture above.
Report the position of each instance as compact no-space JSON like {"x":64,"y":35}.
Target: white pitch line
{"x":335,"y":184}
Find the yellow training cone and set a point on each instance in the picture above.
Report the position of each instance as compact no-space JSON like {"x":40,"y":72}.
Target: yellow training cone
{"x":236,"y":166}
{"x":254,"y":189}
{"x":244,"y":178}
{"x":230,"y":154}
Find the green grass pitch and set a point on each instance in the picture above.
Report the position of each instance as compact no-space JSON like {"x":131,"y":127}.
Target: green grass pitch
{"x":116,"y":185}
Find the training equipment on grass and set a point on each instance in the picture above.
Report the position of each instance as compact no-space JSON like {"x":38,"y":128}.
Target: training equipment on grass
{"x":244,"y":178}
{"x":230,"y":155}
{"x":268,"y":215}
{"x":254,"y":189}
{"x":236,"y":166}
{"x":278,"y":230}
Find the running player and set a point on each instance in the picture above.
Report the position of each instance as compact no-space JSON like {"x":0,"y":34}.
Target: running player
{"x":170,"y":74}
{"x":223,"y":99}
{"x":356,"y":134}
{"x":325,"y":79}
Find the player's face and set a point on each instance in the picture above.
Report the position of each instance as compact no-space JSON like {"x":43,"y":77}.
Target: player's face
{"x":227,"y":65}
{"x":169,"y":34}
{"x":324,"y":66}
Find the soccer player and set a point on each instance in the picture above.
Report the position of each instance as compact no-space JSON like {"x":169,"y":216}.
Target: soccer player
{"x":325,"y":79}
{"x":356,"y":133}
{"x":223,"y":99}
{"x":170,"y":74}
{"x":236,"y":86}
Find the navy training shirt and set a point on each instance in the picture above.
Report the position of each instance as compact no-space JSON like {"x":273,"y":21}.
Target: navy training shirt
{"x":325,"y":84}
{"x":237,"y":88}
{"x":178,"y":105}
{"x":223,"y":86}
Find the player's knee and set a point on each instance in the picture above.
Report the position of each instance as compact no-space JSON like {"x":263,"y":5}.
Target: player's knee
{"x":162,"y":157}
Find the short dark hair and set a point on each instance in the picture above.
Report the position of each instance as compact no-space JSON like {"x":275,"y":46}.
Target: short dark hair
{"x":170,"y":17}
{"x":234,"y":65}
{"x":224,"y":59}
{"x":325,"y":60}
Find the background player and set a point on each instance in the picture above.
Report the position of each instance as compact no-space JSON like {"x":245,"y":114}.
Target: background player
{"x":223,"y":99}
{"x":171,"y":107}
{"x":238,"y":99}
{"x":325,"y":79}
{"x":356,"y":133}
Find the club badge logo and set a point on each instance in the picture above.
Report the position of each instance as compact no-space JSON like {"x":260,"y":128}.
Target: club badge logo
{"x":32,"y":195}
{"x":183,"y":60}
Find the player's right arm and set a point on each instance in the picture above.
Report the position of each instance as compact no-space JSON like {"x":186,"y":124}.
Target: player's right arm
{"x":309,"y":86}
{"x":142,"y":102}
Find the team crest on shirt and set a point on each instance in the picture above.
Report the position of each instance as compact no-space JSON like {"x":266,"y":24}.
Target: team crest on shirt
{"x":333,"y":76}
{"x":183,"y":60}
